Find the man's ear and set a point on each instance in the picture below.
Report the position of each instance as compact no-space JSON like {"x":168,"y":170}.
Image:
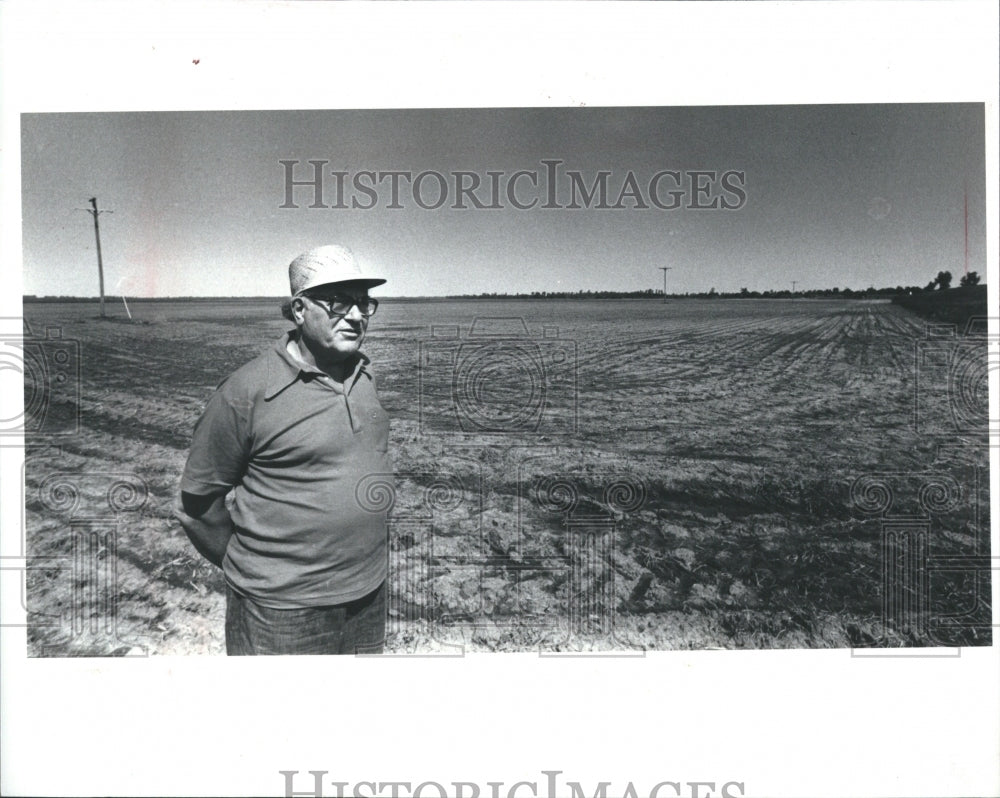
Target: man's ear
{"x":297,"y":309}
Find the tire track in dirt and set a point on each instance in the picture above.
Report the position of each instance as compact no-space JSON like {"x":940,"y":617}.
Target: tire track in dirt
{"x":794,"y":371}
{"x":664,"y":360}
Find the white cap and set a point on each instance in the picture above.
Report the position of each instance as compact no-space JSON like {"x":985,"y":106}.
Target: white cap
{"x":325,"y":265}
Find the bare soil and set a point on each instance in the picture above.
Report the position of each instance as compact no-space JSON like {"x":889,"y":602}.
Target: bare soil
{"x":584,"y":475}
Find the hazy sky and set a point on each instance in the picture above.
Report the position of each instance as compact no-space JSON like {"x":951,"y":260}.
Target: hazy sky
{"x":843,"y":195}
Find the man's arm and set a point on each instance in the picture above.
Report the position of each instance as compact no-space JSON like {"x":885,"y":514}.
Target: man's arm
{"x":207,"y":523}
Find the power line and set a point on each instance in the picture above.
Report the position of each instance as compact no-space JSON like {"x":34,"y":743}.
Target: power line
{"x":93,"y":211}
{"x":665,"y":269}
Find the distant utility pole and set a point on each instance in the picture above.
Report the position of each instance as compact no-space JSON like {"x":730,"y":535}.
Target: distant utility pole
{"x":665,"y":269}
{"x":966,"y":229}
{"x":794,"y":283}
{"x":97,"y":235}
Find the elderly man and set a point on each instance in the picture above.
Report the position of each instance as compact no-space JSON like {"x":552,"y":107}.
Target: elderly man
{"x":291,"y":434}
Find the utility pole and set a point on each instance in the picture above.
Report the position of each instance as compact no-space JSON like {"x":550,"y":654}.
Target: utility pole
{"x":97,"y":235}
{"x":794,"y":283}
{"x":966,"y":229}
{"x":665,"y":269}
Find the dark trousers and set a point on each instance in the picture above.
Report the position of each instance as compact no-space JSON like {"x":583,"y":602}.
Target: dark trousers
{"x":357,"y":627}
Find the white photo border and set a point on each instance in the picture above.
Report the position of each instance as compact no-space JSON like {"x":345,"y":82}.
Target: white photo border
{"x":783,"y":723}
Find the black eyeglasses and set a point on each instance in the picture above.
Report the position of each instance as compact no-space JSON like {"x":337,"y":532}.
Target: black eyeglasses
{"x":340,"y":305}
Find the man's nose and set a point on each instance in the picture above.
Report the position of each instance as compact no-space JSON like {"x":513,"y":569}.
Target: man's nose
{"x":355,"y":314}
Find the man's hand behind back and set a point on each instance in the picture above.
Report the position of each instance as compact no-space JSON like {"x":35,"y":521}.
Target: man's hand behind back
{"x":207,"y":523}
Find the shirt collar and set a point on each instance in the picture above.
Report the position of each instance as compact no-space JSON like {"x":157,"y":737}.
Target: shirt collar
{"x":284,"y":369}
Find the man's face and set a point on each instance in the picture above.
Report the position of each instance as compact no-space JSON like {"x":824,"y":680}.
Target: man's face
{"x":329,"y":336}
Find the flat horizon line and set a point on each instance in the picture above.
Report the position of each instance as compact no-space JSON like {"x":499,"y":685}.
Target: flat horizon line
{"x":638,"y":295}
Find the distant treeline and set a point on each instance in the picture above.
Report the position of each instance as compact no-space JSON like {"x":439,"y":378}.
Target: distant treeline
{"x":743,"y":293}
{"x":949,"y":306}
{"x":649,"y":293}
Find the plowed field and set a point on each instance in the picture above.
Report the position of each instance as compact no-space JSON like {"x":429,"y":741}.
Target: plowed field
{"x":570,"y":475}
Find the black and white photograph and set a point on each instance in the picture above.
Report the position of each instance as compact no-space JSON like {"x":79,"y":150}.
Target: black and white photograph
{"x":628,"y":379}
{"x":491,"y":399}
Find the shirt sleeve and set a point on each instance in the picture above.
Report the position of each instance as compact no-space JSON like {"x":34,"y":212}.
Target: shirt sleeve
{"x":220,"y":447}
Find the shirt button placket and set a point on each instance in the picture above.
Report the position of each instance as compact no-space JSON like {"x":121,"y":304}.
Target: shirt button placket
{"x":350,"y":415}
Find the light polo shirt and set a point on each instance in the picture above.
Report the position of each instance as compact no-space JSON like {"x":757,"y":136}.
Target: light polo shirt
{"x":296,"y":448}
